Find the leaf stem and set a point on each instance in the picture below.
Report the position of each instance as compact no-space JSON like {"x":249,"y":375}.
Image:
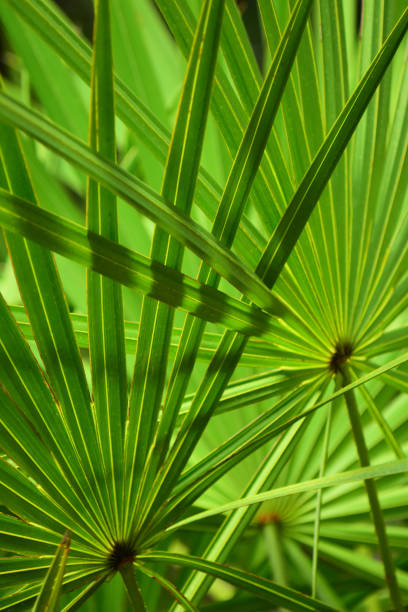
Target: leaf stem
{"x":273,"y":541}
{"x":129,"y":578}
{"x":316,"y":531}
{"x":372,"y":494}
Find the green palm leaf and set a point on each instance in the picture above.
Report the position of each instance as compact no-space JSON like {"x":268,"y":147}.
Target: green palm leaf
{"x":105,"y":306}
{"x":178,"y":187}
{"x":229,"y":280}
{"x":139,"y":195}
{"x":127,"y":267}
{"x":50,"y":591}
{"x":275,"y":594}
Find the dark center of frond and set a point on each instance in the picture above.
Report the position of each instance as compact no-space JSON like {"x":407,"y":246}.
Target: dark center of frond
{"x":122,"y":552}
{"x":269,"y":517}
{"x":342,"y":353}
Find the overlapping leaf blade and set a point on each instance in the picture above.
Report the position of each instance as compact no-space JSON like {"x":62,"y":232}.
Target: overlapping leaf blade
{"x":129,"y":268}
{"x":41,"y":291}
{"x":248,"y":582}
{"x":58,"y":33}
{"x":178,"y":188}
{"x":338,"y":308}
{"x":105,"y":306}
{"x":139,"y":195}
{"x":48,"y":598}
{"x":225,"y":224}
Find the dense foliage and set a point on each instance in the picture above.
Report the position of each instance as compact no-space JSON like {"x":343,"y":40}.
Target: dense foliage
{"x":204,"y":314}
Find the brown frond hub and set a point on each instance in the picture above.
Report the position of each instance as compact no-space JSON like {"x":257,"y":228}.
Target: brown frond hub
{"x":342,"y":352}
{"x":122,"y":552}
{"x":269,"y":517}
